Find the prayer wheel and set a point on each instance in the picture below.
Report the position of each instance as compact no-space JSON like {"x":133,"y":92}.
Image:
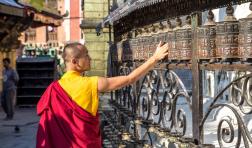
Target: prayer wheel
{"x":133,"y":47}
{"x":227,"y":33}
{"x":206,"y":39}
{"x":127,"y":51}
{"x":184,"y":41}
{"x":173,"y":53}
{"x":153,"y":41}
{"x":140,"y":43}
{"x":162,"y":36}
{"x":169,"y":38}
{"x":146,"y":43}
{"x":161,"y":33}
{"x":133,"y":44}
{"x":245,"y":38}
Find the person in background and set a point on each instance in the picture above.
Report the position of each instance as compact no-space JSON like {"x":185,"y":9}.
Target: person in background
{"x":8,"y":95}
{"x":69,"y":106}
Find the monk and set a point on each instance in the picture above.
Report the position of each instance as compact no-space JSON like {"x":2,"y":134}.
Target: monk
{"x":68,"y":107}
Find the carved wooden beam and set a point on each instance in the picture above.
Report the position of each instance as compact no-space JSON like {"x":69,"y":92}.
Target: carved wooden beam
{"x":13,"y":29}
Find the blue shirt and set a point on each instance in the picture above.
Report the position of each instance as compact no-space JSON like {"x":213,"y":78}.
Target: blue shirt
{"x":10,"y":79}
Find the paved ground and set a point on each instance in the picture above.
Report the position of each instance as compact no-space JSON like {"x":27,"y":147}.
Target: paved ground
{"x":27,"y":121}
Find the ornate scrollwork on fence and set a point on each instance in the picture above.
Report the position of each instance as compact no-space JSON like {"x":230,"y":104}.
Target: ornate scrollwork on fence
{"x":156,"y":105}
{"x":127,"y":94}
{"x":240,"y":104}
{"x":158,"y":96}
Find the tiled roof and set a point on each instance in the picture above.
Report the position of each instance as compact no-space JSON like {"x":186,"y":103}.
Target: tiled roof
{"x":12,"y":3}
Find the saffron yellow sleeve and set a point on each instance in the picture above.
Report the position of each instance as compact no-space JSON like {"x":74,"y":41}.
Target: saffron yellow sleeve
{"x":95,"y":97}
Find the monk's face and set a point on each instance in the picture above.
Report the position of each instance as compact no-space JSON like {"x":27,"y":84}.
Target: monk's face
{"x":83,"y":63}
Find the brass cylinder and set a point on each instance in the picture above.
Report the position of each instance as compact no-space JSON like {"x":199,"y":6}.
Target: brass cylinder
{"x":245,"y":37}
{"x":206,"y":42}
{"x":184,"y":44}
{"x":227,"y":40}
{"x":227,"y":33}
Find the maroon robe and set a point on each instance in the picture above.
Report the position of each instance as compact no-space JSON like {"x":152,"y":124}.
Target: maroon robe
{"x":64,"y":124}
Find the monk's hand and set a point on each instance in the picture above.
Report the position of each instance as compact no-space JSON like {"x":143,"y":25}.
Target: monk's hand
{"x":161,"y":51}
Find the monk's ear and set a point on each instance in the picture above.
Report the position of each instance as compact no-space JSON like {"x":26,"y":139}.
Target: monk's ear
{"x":74,"y":61}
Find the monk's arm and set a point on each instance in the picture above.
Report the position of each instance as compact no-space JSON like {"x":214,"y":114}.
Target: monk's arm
{"x":113,"y":83}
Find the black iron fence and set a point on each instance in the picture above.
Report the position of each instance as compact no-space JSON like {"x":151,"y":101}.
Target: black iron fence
{"x":161,"y":110}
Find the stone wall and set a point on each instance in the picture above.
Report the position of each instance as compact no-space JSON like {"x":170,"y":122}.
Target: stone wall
{"x":95,"y":11}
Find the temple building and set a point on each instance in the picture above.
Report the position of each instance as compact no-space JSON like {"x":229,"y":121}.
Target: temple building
{"x":15,"y":18}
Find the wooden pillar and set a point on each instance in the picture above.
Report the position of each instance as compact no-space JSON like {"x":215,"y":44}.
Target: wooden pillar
{"x":197,"y":97}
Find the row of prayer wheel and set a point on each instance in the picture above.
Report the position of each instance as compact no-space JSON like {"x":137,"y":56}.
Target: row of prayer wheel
{"x":230,"y":40}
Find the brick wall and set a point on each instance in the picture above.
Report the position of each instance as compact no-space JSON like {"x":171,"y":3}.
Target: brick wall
{"x":96,"y":10}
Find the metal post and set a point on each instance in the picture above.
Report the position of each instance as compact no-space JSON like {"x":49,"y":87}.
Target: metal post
{"x":197,"y":98}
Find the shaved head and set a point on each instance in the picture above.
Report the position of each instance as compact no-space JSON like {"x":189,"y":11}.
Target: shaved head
{"x":76,"y":57}
{"x":72,"y":50}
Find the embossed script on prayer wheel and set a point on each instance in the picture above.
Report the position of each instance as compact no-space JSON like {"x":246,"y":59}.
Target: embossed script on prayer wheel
{"x":227,"y":40}
{"x":206,"y":42}
{"x":227,"y":37}
{"x":184,"y":41}
{"x":245,"y":37}
{"x":206,"y":39}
